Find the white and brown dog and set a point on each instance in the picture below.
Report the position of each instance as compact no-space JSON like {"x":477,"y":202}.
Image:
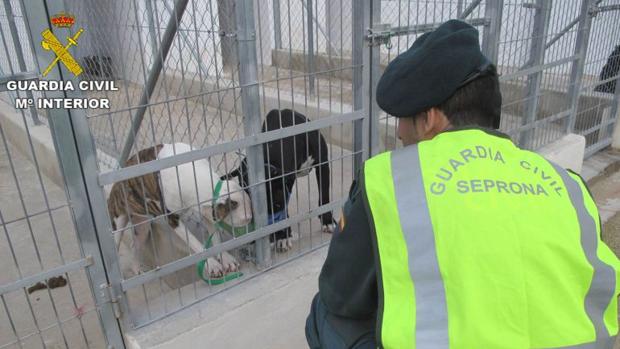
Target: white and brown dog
{"x":169,"y":193}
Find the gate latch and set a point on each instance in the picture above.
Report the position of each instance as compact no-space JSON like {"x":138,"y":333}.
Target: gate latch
{"x":109,"y":296}
{"x":380,"y":35}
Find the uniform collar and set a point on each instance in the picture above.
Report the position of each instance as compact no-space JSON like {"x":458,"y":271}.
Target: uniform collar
{"x":490,"y":131}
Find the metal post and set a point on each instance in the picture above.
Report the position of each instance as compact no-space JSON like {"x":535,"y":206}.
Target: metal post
{"x":20,"y":55}
{"x":277,"y":31}
{"x":156,"y":68}
{"x":77,"y":158}
{"x":576,"y":71}
{"x":470,"y":8}
{"x":490,"y":38}
{"x":360,"y":21}
{"x":459,"y":8}
{"x":226,"y":19}
{"x":152,"y":30}
{"x":537,"y":54}
{"x":375,"y":74}
{"x":250,"y":99}
{"x":310,"y":55}
{"x":326,"y":34}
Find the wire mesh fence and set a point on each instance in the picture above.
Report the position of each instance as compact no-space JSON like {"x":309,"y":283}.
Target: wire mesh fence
{"x":547,"y":82}
{"x":46,"y":300}
{"x":197,"y":105}
{"x":237,"y":126}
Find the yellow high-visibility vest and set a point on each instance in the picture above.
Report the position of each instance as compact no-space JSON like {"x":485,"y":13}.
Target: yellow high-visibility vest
{"x":484,"y":245}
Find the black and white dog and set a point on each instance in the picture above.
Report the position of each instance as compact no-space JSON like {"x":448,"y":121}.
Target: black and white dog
{"x":285,"y":160}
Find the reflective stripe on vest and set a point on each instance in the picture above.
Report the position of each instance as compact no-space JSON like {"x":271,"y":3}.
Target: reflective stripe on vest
{"x":601,"y":288}
{"x":431,"y":314}
{"x":418,"y":308}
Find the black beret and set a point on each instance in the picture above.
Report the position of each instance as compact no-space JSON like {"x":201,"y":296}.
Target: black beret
{"x":431,"y":70}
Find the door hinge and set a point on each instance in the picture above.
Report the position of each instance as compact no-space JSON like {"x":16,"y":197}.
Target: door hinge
{"x":380,"y":35}
{"x":109,"y":296}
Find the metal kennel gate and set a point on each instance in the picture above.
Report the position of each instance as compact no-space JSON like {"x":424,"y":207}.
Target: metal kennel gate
{"x":206,"y":73}
{"x":54,"y":286}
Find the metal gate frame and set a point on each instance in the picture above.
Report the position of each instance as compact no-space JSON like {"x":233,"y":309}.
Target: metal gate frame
{"x":85,"y":160}
{"x":367,"y":18}
{"x":75,"y":150}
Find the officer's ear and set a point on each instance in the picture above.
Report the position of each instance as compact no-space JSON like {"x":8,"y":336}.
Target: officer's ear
{"x":433,"y":122}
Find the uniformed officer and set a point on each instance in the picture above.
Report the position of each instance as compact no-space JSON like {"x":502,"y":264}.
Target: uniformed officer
{"x":461,"y":239}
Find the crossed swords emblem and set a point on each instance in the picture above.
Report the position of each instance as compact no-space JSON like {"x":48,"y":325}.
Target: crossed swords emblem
{"x":51,"y":42}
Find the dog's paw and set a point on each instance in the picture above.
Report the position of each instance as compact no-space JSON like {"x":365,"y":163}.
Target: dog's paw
{"x":329,"y":228}
{"x":229,"y":263}
{"x":284,"y":245}
{"x":214,"y":268}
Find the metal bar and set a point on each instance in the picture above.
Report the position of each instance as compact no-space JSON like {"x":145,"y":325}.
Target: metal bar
{"x":591,"y":150}
{"x":606,"y":8}
{"x":562,"y":32}
{"x":537,"y":68}
{"x":152,"y":31}
{"x":19,"y":55}
{"x":310,"y":54}
{"x":491,"y":33}
{"x":428,"y":27}
{"x":253,"y":140}
{"x":70,"y":132}
{"x":252,"y":122}
{"x":277,"y":24}
{"x":576,"y":73}
{"x":156,"y":69}
{"x":20,"y":76}
{"x":31,"y":280}
{"x":226,"y":246}
{"x":537,"y":54}
{"x":537,"y":123}
{"x":469,"y":9}
{"x":459,"y":9}
{"x":374,"y":64}
{"x":361,"y":19}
